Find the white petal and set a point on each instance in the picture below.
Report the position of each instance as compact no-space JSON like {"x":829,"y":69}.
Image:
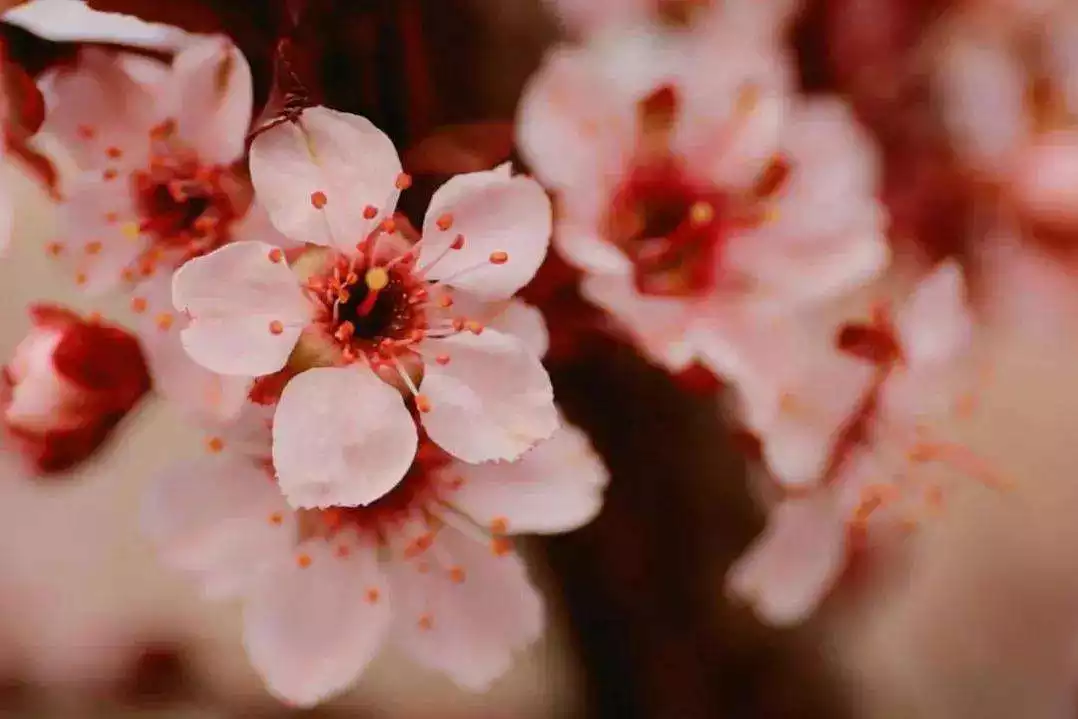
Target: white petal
{"x":233,"y":295}
{"x":213,"y":82}
{"x":68,"y":20}
{"x":493,"y":400}
{"x":198,"y":392}
{"x":497,"y":215}
{"x":469,"y":629}
{"x":792,"y":566}
{"x":511,"y":317}
{"x":220,"y":516}
{"x":556,"y":487}
{"x":935,"y":325}
{"x":341,"y":437}
{"x":311,"y":630}
{"x":344,"y":157}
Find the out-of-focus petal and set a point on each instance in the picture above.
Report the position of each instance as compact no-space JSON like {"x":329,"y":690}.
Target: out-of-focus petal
{"x":74,"y":20}
{"x":312,"y":628}
{"x":792,"y":566}
{"x":96,"y":106}
{"x":466,"y":623}
{"x":215,"y":95}
{"x":556,"y":487}
{"x":935,"y":325}
{"x":198,"y":392}
{"x":218,"y":515}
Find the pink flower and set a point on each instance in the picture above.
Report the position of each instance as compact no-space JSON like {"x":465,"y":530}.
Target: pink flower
{"x":1011,"y":110}
{"x":599,"y":16}
{"x":693,"y":193}
{"x":68,"y":385}
{"x":879,"y":468}
{"x":155,"y":149}
{"x":428,"y":567}
{"x":367,"y":311}
{"x":156,"y":181}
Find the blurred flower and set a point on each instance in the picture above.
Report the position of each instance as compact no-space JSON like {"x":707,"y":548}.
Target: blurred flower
{"x":156,"y":183}
{"x":591,"y":17}
{"x":155,"y":148}
{"x":692,"y":191}
{"x":67,"y":386}
{"x":428,"y":566}
{"x":1009,"y":86}
{"x":367,"y":311}
{"x":880,"y":460}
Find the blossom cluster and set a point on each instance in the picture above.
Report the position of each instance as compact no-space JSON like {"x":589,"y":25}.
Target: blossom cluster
{"x":380,"y":424}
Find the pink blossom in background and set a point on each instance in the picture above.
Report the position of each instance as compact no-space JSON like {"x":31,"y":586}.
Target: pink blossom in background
{"x":882,"y":468}
{"x":693,"y":190}
{"x":594,"y":17}
{"x":429,"y":566}
{"x":155,"y":149}
{"x":66,"y":387}
{"x":156,"y":183}
{"x":1010,"y":93}
{"x":367,"y":312}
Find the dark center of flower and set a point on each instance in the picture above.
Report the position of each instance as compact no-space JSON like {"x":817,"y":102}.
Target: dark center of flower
{"x":373,"y":311}
{"x":185,"y":207}
{"x":671,"y":229}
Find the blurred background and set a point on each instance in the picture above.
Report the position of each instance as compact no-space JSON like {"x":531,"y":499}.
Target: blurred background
{"x":975,"y":615}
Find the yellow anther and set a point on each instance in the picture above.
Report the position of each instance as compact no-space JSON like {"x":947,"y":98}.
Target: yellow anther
{"x":376,"y":278}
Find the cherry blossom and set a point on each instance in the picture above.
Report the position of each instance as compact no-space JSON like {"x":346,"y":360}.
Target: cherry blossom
{"x":68,"y":384}
{"x":1009,"y":85}
{"x":693,"y":191}
{"x":600,"y":16}
{"x":883,"y":460}
{"x":155,"y":149}
{"x":155,"y":183}
{"x":429,"y":567}
{"x":366,"y":310}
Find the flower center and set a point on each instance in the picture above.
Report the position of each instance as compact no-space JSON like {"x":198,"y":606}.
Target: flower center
{"x":369,"y":311}
{"x":185,"y":206}
{"x":671,"y":229}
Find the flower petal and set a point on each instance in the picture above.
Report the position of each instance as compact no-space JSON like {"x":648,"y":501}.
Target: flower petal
{"x":232,"y":296}
{"x":492,"y":400}
{"x":41,"y":398}
{"x":96,"y":105}
{"x":506,"y":224}
{"x":572,"y":128}
{"x":793,"y":565}
{"x":311,"y":629}
{"x":1046,"y":180}
{"x":524,"y":322}
{"x":74,"y":20}
{"x":219,"y":516}
{"x":555,"y":487}
{"x":511,"y":317}
{"x":344,"y":157}
{"x":660,"y":326}
{"x":213,"y":83}
{"x":466,"y":623}
{"x":341,"y":437}
{"x":935,"y":325}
